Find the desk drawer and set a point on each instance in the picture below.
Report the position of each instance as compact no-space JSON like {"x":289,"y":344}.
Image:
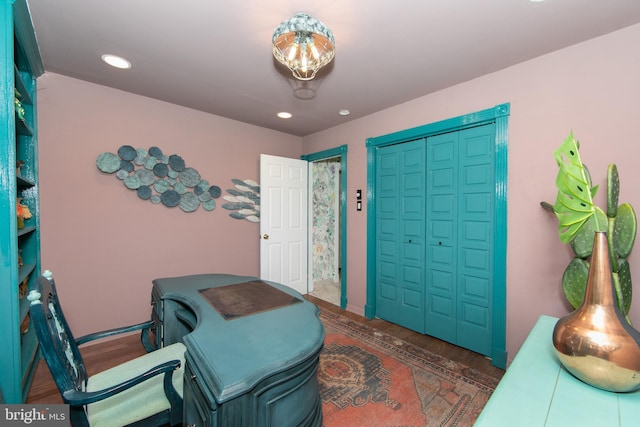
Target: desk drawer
{"x":291,"y":398}
{"x":157,"y":318}
{"x":157,"y":330}
{"x":199,"y":411}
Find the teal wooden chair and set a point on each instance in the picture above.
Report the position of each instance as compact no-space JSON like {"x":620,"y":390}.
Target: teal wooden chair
{"x":143,"y":391}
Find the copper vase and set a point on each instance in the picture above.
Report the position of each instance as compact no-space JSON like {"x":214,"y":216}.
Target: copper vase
{"x":595,"y":343}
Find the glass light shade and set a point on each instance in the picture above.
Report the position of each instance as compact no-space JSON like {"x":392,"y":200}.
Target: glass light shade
{"x":304,"y":45}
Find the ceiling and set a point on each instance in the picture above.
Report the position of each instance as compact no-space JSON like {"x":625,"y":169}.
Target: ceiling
{"x":215,"y":55}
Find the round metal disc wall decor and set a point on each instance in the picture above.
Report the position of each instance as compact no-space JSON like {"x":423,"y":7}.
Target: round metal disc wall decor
{"x":166,"y":180}
{"x":159,"y":178}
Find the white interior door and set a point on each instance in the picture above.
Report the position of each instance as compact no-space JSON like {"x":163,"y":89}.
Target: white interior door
{"x":283,"y":221}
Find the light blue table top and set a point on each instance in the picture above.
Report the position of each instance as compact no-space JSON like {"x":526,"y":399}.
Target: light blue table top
{"x":537,"y":390}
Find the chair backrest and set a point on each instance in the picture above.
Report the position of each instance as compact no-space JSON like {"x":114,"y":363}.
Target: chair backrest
{"x":57,"y":344}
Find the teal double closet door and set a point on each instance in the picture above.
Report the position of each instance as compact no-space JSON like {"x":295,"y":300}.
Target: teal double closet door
{"x":435,"y":235}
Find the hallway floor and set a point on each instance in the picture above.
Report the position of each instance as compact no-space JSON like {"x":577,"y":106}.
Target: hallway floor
{"x":327,"y":290}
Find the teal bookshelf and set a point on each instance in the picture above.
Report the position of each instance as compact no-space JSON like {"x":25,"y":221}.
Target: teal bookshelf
{"x":19,"y":248}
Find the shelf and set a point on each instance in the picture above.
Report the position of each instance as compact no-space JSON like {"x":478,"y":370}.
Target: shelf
{"x":22,"y":128}
{"x":24,"y":308}
{"x":29,"y":352}
{"x":24,"y":183}
{"x":24,"y":97}
{"x":26,"y":230}
{"x":24,"y":272}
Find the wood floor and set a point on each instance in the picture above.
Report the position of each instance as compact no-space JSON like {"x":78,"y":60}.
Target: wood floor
{"x":104,"y":355}
{"x":97,"y":358}
{"x":434,"y":345}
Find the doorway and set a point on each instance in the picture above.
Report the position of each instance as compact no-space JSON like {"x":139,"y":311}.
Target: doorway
{"x":327,"y":225}
{"x":324,"y":206}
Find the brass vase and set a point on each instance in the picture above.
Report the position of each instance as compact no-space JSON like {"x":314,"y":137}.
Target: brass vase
{"x":595,"y":343}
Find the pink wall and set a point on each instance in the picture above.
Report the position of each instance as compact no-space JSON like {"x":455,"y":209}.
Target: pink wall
{"x":104,"y":244}
{"x":591,"y":88}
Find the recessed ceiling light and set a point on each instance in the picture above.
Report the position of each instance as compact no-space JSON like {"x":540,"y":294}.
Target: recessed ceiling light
{"x":116,"y":61}
{"x":284,"y":115}
{"x":344,"y":112}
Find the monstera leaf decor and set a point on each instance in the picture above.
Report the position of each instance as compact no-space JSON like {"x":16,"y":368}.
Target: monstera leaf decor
{"x":579,"y":218}
{"x":574,"y":204}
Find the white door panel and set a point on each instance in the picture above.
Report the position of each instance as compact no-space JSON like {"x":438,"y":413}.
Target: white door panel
{"x":283,"y":221}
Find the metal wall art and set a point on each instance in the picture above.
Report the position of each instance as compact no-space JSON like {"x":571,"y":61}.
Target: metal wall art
{"x":244,"y":200}
{"x":165,"y":179}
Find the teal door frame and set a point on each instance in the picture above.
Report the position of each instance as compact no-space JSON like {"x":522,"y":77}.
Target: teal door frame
{"x":500,"y":116}
{"x":338,"y":152}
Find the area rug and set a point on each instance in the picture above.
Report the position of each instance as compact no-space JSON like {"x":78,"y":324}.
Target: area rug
{"x":370,"y":379}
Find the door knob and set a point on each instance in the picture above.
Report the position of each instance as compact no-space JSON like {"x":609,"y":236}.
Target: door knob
{"x":265,"y":236}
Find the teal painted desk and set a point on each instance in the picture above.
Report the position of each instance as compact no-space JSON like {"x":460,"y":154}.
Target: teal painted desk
{"x":536,"y":391}
{"x":254,"y":370}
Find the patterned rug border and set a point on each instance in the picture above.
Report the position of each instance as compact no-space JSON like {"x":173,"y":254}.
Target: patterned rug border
{"x":412,"y":353}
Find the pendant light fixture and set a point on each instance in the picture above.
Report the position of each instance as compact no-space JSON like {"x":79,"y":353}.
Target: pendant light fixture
{"x":304,"y":45}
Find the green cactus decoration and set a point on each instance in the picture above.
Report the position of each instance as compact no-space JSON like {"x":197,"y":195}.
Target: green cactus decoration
{"x":579,"y":218}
